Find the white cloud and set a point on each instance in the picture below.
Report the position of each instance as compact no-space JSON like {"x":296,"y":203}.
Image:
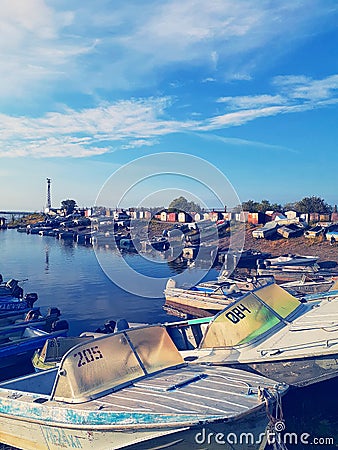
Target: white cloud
{"x":88,"y":46}
{"x":301,"y":87}
{"x":141,"y":122}
{"x":249,"y":101}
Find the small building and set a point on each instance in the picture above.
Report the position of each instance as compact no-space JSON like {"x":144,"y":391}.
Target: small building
{"x":147,"y":215}
{"x":242,"y":216}
{"x":216,"y":215}
{"x":314,"y":217}
{"x":182,"y":217}
{"x":291,"y":214}
{"x":305,"y":217}
{"x":196,"y":217}
{"x":324,"y":217}
{"x":206,"y":216}
{"x":334,"y":217}
{"x":172,"y":217}
{"x":229,"y":216}
{"x":256,"y":218}
{"x":132,"y":214}
{"x":163,"y":216}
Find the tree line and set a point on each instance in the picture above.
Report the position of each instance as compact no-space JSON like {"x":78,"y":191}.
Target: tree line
{"x":306,"y":205}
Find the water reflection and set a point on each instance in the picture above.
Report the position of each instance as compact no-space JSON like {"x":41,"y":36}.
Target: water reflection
{"x":46,"y":258}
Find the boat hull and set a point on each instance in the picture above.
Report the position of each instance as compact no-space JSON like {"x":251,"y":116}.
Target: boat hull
{"x":246,"y":432}
{"x":296,"y":372}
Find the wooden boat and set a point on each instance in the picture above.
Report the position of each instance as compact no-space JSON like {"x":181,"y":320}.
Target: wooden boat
{"x":290,"y":231}
{"x":269,"y":230}
{"x":207,"y":298}
{"x":308,"y":286}
{"x":18,"y":342}
{"x":270,"y":332}
{"x":132,"y":389}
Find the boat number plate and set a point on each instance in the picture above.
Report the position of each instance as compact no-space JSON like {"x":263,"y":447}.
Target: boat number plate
{"x":238,"y":313}
{"x":88,"y":355}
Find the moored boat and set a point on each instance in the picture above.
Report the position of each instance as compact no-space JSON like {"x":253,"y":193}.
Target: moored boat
{"x":132,"y":388}
{"x":19,"y":341}
{"x":208,"y":298}
{"x":270,"y":332}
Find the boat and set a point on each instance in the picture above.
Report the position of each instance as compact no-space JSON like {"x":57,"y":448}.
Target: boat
{"x":268,"y":331}
{"x":306,"y":285}
{"x":284,"y":272}
{"x":290,"y":231}
{"x":291,"y":260}
{"x":11,"y":316}
{"x":269,"y":230}
{"x":19,"y":341}
{"x":241,"y":259}
{"x":314,"y":231}
{"x":132,"y":389}
{"x":50,"y":355}
{"x":10,"y":288}
{"x":207,"y":298}
{"x":10,"y":303}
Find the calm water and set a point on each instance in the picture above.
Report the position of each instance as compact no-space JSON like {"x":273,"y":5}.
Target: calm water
{"x":69,"y":276}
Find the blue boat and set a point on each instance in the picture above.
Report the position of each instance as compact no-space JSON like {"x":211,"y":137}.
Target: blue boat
{"x":13,"y":303}
{"x":19,"y":341}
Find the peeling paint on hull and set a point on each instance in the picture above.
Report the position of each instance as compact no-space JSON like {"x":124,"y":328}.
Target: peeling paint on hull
{"x":33,"y":436}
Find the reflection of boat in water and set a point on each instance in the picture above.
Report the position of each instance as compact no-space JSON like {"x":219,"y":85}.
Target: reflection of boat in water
{"x":132,"y":387}
{"x":270,"y":332}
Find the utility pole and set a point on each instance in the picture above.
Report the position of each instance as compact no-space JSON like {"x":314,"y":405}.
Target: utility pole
{"x":49,"y":202}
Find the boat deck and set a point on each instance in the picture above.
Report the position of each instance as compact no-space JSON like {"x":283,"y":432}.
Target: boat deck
{"x":186,"y":394}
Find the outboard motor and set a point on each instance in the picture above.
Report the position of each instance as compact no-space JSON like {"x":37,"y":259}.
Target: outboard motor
{"x":107,"y":328}
{"x":59,"y":325}
{"x":122,"y":324}
{"x":31,"y":298}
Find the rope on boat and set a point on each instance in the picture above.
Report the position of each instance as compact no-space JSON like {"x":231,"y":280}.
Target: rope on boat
{"x":276,"y":423}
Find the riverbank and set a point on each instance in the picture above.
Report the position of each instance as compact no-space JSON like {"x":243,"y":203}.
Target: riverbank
{"x":300,"y":245}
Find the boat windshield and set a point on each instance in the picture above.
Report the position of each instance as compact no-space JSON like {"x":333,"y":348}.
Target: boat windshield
{"x":108,"y":363}
{"x":249,"y":317}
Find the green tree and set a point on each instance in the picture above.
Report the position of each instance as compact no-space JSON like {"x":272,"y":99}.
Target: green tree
{"x":68,"y":206}
{"x":313,"y":205}
{"x":250,"y":206}
{"x":182,"y":204}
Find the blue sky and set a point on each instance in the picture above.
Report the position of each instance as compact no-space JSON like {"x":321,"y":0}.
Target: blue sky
{"x":86,"y":87}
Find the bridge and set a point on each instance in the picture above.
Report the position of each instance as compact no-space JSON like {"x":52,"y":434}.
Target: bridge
{"x":18,"y":213}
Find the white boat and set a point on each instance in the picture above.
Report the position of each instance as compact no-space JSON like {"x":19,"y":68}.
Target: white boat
{"x":132,"y":388}
{"x":292,"y":260}
{"x":270,"y":332}
{"x":269,"y":230}
{"x":207,"y":298}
